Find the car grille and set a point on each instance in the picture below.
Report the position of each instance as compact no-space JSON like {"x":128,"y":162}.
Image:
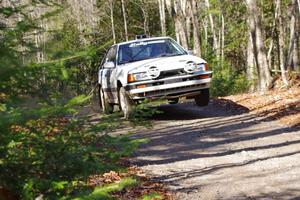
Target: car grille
{"x":167,"y":74}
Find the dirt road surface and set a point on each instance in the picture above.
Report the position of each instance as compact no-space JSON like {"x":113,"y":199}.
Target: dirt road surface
{"x":219,"y":153}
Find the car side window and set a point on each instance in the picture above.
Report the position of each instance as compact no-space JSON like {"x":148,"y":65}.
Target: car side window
{"x":111,"y":55}
{"x":103,"y":60}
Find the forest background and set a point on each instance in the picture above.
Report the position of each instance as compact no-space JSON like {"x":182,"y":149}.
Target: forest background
{"x":49,"y":57}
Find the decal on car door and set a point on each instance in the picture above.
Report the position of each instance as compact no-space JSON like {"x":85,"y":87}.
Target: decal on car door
{"x":108,"y":76}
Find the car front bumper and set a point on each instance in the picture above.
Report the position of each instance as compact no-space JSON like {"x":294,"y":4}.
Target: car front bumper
{"x":171,"y":88}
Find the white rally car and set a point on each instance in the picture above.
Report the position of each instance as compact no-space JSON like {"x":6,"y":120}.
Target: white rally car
{"x":151,"y":68}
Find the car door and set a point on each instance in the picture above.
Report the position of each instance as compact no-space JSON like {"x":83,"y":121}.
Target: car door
{"x":108,"y":75}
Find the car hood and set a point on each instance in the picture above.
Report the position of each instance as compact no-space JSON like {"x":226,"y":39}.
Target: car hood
{"x":163,"y":63}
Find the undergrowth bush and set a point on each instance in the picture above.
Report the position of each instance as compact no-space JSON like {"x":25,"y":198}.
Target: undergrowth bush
{"x":228,"y":82}
{"x":53,"y":155}
{"x":144,"y":111}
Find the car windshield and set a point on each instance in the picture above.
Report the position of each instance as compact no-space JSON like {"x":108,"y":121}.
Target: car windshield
{"x":142,"y":50}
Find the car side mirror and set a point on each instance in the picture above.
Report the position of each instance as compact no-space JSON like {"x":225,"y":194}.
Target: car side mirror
{"x":109,"y":65}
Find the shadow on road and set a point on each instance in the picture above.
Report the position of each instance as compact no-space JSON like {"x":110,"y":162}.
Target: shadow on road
{"x":185,"y":132}
{"x":194,"y":140}
{"x":189,"y":111}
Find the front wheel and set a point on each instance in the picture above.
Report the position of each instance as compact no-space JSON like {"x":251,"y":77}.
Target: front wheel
{"x":202,"y":99}
{"x":125,"y":102}
{"x":106,"y":107}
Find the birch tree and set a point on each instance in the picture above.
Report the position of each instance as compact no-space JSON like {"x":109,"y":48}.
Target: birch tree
{"x":176,"y":9}
{"x":196,"y":27}
{"x":222,"y":39}
{"x":254,"y":20}
{"x":162,"y":16}
{"x":205,"y":28}
{"x":250,"y":70}
{"x":144,"y":6}
{"x":212,"y":26}
{"x":293,"y":50}
{"x":179,"y":17}
{"x":125,"y":19}
{"x":111,"y":7}
{"x":281,"y":42}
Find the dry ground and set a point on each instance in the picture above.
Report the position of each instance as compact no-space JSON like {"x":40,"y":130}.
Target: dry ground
{"x":275,"y":105}
{"x":228,"y":150}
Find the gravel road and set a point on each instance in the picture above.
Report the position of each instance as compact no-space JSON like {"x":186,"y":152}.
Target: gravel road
{"x":220,"y":153}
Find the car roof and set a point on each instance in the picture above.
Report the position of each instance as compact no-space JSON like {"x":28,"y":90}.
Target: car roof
{"x":144,"y":39}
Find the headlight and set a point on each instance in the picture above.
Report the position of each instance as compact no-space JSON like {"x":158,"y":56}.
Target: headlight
{"x":202,"y":67}
{"x":137,"y":77}
{"x":190,"y":67}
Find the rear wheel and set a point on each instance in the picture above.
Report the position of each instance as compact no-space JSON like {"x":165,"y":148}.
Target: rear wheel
{"x":202,"y":99}
{"x":173,"y":101}
{"x":126,"y":104}
{"x":106,"y":107}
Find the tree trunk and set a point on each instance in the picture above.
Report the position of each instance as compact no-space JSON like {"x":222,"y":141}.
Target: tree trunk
{"x":188,"y":24}
{"x":264,"y":75}
{"x":212,"y":25}
{"x":162,"y":16}
{"x":222,"y":39}
{"x":292,"y":58}
{"x":205,"y":34}
{"x":269,"y":56}
{"x":271,"y":61}
{"x":179,"y":18}
{"x":111,"y":7}
{"x":250,"y":71}
{"x":181,"y":32}
{"x":296,"y":51}
{"x":125,"y":19}
{"x":177,"y":33}
{"x":281,"y":59}
{"x":146,"y":22}
{"x":196,"y":33}
{"x":143,"y":7}
{"x":296,"y":62}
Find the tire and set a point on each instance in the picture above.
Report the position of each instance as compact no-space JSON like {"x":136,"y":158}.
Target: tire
{"x":126,"y":104}
{"x":106,"y":107}
{"x":202,"y":99}
{"x":173,"y":101}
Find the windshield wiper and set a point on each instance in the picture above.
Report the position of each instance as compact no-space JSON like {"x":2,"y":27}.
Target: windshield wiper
{"x":129,"y":61}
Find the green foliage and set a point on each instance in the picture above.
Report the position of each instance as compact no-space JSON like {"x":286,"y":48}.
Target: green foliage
{"x":103,"y":192}
{"x":49,"y":155}
{"x":227,"y":82}
{"x":108,"y":123}
{"x":70,"y":36}
{"x":143,"y":111}
{"x":152,"y":196}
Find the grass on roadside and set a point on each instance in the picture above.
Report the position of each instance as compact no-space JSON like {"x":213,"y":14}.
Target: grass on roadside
{"x":104,"y":192}
{"x":152,"y":196}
